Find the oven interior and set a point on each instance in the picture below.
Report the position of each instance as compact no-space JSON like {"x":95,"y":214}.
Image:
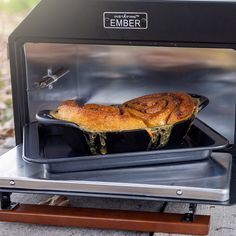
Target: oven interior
{"x":112,"y":74}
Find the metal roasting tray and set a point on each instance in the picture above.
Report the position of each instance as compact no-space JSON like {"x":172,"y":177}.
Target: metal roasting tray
{"x":111,"y":142}
{"x":58,"y":156}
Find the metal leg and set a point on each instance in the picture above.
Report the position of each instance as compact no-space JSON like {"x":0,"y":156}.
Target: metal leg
{"x":5,"y":200}
{"x":190,"y":216}
{"x":163,"y":207}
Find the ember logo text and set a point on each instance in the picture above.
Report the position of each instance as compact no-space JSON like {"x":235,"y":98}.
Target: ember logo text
{"x":125,"y":20}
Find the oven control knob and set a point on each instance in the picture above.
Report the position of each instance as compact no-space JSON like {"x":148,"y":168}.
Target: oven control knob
{"x":179,"y":192}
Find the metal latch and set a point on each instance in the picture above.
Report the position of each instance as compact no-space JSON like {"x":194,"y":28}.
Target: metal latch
{"x":51,"y":78}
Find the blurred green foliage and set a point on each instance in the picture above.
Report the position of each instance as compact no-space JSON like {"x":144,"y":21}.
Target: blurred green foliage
{"x":17,"y":5}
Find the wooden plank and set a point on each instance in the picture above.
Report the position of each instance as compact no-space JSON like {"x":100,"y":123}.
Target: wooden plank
{"x":223,"y":218}
{"x":106,"y":219}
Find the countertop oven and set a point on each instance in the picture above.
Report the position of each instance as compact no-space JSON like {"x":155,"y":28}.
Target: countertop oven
{"x":108,"y":52}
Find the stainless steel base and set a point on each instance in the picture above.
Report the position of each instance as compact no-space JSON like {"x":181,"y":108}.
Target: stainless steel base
{"x":201,"y":180}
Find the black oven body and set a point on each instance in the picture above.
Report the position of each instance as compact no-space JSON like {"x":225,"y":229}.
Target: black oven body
{"x":157,"y":23}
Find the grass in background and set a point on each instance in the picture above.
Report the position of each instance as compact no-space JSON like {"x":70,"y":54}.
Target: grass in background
{"x":17,"y":5}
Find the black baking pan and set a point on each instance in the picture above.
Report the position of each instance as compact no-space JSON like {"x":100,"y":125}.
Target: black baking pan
{"x":86,"y":142}
{"x":58,"y":157}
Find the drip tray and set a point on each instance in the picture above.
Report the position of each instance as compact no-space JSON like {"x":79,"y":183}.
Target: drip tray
{"x":59,"y":157}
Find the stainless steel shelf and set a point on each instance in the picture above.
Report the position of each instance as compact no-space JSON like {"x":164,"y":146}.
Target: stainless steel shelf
{"x":202,"y":180}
